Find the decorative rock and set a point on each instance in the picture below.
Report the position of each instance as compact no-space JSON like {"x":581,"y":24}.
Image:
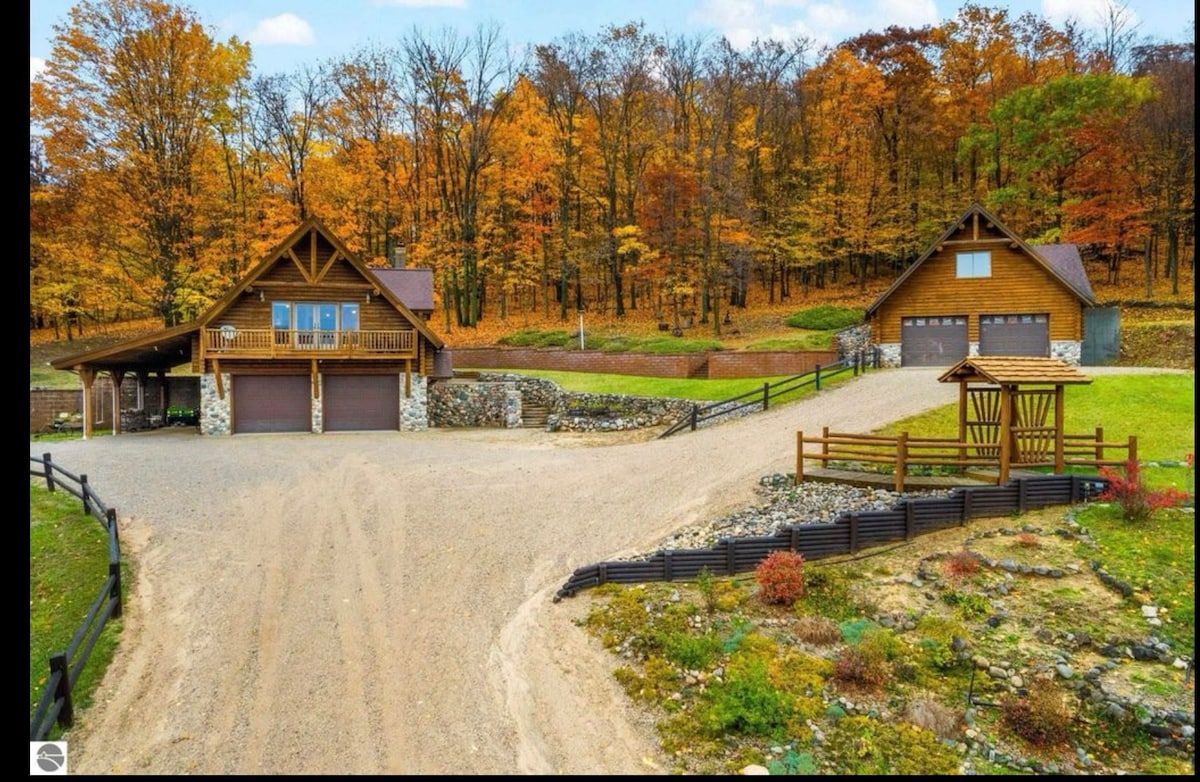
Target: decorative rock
{"x":981,"y":662}
{"x":1064,"y":670}
{"x":1150,"y":612}
{"x":755,"y":770}
{"x":1017,"y":682}
{"x":1009,"y":565}
{"x":997,"y":672}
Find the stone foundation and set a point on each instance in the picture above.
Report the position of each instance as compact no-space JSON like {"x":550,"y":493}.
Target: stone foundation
{"x":318,"y":409}
{"x":414,"y":410}
{"x":1067,"y":351}
{"x":889,"y":354}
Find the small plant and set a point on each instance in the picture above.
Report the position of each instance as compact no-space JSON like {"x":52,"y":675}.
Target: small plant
{"x":927,"y":713}
{"x":746,"y":702}
{"x":961,"y":564}
{"x":1026,"y":540}
{"x":1136,"y":500}
{"x":817,"y":630}
{"x":862,"y":668}
{"x":780,"y":578}
{"x":1040,"y":718}
{"x":708,"y":589}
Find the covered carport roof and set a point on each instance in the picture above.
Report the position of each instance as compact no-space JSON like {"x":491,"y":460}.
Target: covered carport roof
{"x":154,"y":352}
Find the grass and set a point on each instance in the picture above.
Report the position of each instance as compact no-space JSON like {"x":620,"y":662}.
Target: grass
{"x":670,"y":387}
{"x":68,"y":563}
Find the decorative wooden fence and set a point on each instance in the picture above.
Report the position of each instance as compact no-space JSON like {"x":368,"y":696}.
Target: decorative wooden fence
{"x":902,"y":452}
{"x":55,"y":705}
{"x":846,"y":535}
{"x":760,"y":399}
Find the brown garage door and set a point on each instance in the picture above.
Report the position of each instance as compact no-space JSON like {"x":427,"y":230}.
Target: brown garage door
{"x":272,"y":403}
{"x":1014,"y":335}
{"x":361,"y":402}
{"x":934,"y":341}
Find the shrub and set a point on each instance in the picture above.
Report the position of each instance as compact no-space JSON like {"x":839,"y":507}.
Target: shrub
{"x":960,"y":565}
{"x":745,"y":702}
{"x":863,"y":746}
{"x":1026,"y":540}
{"x":1136,"y":500}
{"x":817,"y":630}
{"x":780,"y":578}
{"x":825,"y":318}
{"x":938,"y":718}
{"x":862,"y":667}
{"x":693,"y":653}
{"x":1039,"y":718}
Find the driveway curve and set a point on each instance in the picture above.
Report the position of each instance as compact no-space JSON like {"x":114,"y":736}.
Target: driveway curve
{"x":369,"y":603}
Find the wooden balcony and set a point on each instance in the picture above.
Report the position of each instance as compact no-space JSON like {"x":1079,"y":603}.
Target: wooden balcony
{"x":278,"y":343}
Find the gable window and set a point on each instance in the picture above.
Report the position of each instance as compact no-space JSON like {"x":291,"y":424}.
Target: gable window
{"x":974,"y":264}
{"x":314,"y":325}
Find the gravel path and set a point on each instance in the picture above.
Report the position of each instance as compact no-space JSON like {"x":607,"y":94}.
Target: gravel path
{"x":381,"y":603}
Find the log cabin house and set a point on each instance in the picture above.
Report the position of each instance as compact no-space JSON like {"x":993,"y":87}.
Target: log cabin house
{"x":980,"y":290}
{"x":310,"y":340}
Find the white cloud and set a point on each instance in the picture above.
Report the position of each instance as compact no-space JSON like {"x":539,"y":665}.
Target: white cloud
{"x":36,"y":66}
{"x":1091,"y":14}
{"x":825,"y":23}
{"x":424,"y":3}
{"x":283,"y":29}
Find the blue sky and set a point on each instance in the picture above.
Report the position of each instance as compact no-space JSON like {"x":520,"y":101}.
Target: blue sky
{"x":285,"y":34}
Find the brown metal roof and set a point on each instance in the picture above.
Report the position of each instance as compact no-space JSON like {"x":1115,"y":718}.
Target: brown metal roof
{"x":1064,"y":259}
{"x":414,"y":287}
{"x":1014,"y":370}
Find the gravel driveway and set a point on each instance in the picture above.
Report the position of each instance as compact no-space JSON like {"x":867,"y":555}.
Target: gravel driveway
{"x":381,"y":602}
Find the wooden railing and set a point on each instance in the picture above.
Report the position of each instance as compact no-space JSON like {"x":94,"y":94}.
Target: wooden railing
{"x":902,"y":452}
{"x":283,"y":342}
{"x":55,"y":705}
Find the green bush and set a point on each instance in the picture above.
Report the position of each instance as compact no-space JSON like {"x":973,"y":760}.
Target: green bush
{"x":693,"y":653}
{"x":861,"y":745}
{"x":745,"y":702}
{"x":825,"y":318}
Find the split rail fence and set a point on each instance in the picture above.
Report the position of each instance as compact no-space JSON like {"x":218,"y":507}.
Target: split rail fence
{"x":56,"y":706}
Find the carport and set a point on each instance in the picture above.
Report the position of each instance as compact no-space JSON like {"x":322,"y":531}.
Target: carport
{"x":154,"y":353}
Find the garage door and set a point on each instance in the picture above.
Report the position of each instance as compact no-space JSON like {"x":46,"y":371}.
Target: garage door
{"x":1014,"y":335}
{"x":272,"y":403}
{"x":933,"y":342}
{"x":360,"y":402}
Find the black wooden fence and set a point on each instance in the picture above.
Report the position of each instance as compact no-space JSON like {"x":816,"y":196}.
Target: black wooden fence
{"x":56,"y":705}
{"x":845,"y":535}
{"x":760,"y":399}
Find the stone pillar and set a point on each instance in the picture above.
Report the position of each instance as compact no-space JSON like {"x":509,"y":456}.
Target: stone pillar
{"x":318,"y":411}
{"x":1067,"y":351}
{"x":215,"y":412}
{"x":414,"y":410}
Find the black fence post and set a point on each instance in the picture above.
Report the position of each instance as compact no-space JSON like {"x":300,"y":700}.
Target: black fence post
{"x":730,"y":559}
{"x":766,"y":395}
{"x":910,"y":521}
{"x":49,"y":472}
{"x":83,"y":492}
{"x":114,"y":593}
{"x":58,"y":664}
{"x":694,"y":411}
{"x":602,"y":573}
{"x":1021,"y":496}
{"x":853,"y":533}
{"x":668,"y":566}
{"x":966,"y":505}
{"x":817,"y":380}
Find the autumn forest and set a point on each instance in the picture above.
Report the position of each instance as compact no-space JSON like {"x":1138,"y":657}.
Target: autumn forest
{"x":617,"y":170}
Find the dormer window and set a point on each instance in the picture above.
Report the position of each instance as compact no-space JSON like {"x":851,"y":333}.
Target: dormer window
{"x":974,"y":264}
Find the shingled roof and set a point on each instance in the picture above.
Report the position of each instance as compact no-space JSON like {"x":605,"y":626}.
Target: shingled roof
{"x":1014,"y":370}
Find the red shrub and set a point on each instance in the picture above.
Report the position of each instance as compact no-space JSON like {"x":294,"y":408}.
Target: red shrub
{"x":961,"y":564}
{"x":781,"y":578}
{"x":1135,"y":499}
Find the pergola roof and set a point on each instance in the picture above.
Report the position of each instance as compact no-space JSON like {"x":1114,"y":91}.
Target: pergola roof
{"x":156,"y":351}
{"x":1014,"y":370}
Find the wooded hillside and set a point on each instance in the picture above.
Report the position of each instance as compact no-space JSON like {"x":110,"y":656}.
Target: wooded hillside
{"x":614,"y":171}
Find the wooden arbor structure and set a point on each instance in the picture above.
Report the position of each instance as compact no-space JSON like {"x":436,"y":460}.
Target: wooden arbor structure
{"x":1010,"y":408}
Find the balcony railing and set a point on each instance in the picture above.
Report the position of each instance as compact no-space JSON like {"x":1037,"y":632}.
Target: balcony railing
{"x":290,"y":342}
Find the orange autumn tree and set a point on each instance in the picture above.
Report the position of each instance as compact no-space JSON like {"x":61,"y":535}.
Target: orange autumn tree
{"x":109,"y":101}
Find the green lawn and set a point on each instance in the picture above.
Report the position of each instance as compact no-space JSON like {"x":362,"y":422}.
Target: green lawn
{"x":68,"y":563}
{"x":674,"y":388}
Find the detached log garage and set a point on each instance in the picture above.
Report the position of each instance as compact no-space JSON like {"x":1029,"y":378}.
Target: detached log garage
{"x":361,"y":402}
{"x":981,"y":290}
{"x":271,"y":403}
{"x":310,"y":339}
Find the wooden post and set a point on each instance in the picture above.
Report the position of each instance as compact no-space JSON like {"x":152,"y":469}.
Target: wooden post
{"x":407,"y":378}
{"x":316,"y":380}
{"x":766,"y":395}
{"x":114,"y":571}
{"x":1059,"y":444}
{"x":117,"y":376}
{"x":58,"y":664}
{"x":217,"y":376}
{"x":799,"y":458}
{"x":693,"y":416}
{"x":818,"y":377}
{"x":1005,"y":434}
{"x":962,"y":420}
{"x":901,"y":460}
{"x":83,"y":492}
{"x":87,"y":375}
{"x":1099,"y":445}
{"x":910,"y":521}
{"x":49,"y":472}
{"x":824,"y":446}
{"x":1133,"y":456}
{"x":163,"y":395}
